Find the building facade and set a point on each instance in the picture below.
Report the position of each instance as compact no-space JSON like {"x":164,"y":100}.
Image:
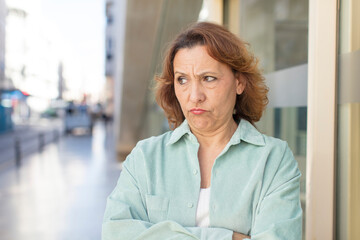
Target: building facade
{"x":32,"y":58}
{"x":16,"y":44}
{"x":5,"y":106}
{"x":136,"y":35}
{"x":114,"y":10}
{"x":2,"y":42}
{"x":309,"y":52}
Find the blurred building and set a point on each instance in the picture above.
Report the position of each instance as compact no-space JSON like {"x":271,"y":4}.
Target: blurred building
{"x":2,"y":42}
{"x":16,"y":47}
{"x":111,"y":34}
{"x":32,"y":58}
{"x":5,"y":106}
{"x":309,"y":52}
{"x":137,"y":34}
{"x":310,"y":58}
{"x":347,"y":144}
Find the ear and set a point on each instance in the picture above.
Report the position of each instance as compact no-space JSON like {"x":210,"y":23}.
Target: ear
{"x":240,"y":83}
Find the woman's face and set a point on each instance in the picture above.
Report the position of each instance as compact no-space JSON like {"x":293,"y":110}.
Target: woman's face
{"x":205,"y":88}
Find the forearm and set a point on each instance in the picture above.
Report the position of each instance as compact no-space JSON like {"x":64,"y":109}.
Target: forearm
{"x":239,"y":236}
{"x":141,"y":230}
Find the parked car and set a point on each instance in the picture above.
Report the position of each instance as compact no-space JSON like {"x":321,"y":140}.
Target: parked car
{"x":77,"y":116}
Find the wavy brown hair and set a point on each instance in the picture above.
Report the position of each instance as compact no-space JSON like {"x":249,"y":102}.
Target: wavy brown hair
{"x":226,"y":48}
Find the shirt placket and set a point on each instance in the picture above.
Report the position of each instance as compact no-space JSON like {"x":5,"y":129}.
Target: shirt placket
{"x":193,"y":147}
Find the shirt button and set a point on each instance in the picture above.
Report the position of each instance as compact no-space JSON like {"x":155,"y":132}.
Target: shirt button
{"x":190,"y":205}
{"x":195,"y":171}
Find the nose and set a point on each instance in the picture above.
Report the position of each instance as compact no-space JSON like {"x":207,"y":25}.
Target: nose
{"x":197,"y":94}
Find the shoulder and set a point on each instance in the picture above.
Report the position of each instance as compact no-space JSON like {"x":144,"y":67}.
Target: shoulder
{"x":275,"y":143}
{"x":250,"y":134}
{"x":147,"y":149}
{"x":279,"y":150}
{"x":281,"y":161}
{"x":154,"y":142}
{"x":274,"y":153}
{"x":152,"y":146}
{"x":150,"y":155}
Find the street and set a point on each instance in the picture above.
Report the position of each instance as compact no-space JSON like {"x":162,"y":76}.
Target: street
{"x":60,"y":193}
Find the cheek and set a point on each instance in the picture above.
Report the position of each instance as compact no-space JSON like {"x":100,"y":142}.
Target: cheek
{"x":176,"y":91}
{"x":179,"y":96}
{"x":226,"y":100}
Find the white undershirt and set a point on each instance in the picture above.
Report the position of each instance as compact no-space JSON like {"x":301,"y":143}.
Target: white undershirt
{"x":202,"y":213}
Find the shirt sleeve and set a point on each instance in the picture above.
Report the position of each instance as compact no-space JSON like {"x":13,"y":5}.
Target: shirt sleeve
{"x":279,"y":214}
{"x":126,"y":216}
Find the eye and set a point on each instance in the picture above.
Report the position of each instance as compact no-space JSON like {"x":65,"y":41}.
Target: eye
{"x":209,"y":78}
{"x":181,"y":80}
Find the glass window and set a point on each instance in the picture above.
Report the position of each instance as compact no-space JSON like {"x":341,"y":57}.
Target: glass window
{"x":348,"y":151}
{"x":277,"y":31}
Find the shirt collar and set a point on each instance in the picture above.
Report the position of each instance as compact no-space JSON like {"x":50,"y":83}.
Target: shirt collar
{"x":245,"y":132}
{"x":179,"y":132}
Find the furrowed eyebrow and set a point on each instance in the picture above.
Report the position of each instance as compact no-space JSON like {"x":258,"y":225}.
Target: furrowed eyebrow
{"x":205,"y":73}
{"x":177,"y":72}
{"x":201,"y":74}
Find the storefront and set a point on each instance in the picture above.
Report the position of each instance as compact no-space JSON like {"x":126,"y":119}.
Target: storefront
{"x":310,"y":53}
{"x":13,"y":109}
{"x":6,"y":123}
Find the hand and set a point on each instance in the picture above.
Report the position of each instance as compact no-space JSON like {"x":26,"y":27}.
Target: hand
{"x":239,"y":236}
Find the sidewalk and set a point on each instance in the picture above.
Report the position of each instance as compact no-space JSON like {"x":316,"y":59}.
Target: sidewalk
{"x":60,"y":193}
{"x":28,"y":138}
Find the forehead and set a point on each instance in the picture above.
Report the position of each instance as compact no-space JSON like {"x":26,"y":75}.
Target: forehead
{"x":196,"y":57}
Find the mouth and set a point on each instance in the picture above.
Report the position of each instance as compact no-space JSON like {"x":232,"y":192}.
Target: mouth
{"x":197,"y":111}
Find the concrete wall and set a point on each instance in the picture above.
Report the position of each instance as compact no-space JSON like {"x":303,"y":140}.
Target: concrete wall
{"x":149,"y":26}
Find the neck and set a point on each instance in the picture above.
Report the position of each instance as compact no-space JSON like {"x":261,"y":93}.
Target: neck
{"x":218,"y":137}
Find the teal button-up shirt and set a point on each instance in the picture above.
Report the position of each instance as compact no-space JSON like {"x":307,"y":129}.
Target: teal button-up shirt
{"x":254,"y":190}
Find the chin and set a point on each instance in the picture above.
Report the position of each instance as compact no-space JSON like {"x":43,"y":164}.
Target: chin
{"x":200,"y":124}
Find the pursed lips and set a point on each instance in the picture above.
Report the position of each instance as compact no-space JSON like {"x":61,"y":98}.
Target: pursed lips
{"x":197,"y":111}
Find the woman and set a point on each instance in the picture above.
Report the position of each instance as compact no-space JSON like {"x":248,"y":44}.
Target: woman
{"x":214,"y":176}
